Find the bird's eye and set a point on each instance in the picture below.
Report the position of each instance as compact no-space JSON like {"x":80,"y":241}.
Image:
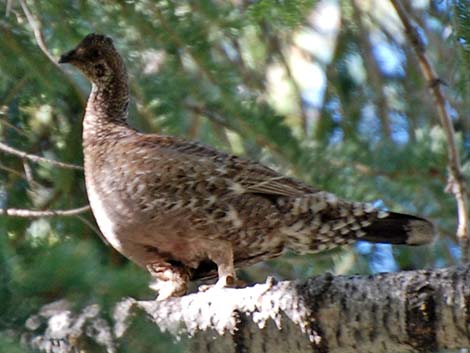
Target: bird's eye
{"x":100,"y":70}
{"x":94,"y":53}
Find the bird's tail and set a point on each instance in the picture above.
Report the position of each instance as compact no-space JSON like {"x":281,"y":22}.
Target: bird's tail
{"x":398,"y":228}
{"x":321,"y":221}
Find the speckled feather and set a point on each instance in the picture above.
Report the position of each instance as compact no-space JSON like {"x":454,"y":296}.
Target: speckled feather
{"x":180,"y":208}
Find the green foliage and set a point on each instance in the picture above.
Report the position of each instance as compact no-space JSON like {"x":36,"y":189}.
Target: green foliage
{"x":462,"y":19}
{"x":10,"y":345}
{"x":340,"y":104}
{"x":280,"y":12}
{"x":462,"y":40}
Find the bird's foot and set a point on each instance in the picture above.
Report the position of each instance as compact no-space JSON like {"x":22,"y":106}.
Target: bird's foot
{"x":169,"y":281}
{"x":227,"y":281}
{"x":167,"y":289}
{"x":221,"y":254}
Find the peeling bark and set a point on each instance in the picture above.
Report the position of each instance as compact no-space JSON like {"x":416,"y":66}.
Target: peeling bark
{"x":419,"y":311}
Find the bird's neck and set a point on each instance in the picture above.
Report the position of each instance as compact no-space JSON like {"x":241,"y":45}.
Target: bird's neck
{"x":106,"y":110}
{"x":109,"y":101}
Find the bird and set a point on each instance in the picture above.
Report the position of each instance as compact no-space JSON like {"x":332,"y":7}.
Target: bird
{"x":185,"y":211}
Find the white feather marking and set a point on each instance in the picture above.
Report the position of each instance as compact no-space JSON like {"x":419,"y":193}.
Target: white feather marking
{"x":297,"y":226}
{"x":192,"y":203}
{"x":382,"y":214}
{"x":304,"y":205}
{"x":140,"y":188}
{"x":232,"y":216}
{"x":360,"y":233}
{"x":295,"y":206}
{"x":220,"y":170}
{"x":102,"y":217}
{"x":358,"y":210}
{"x":316,"y":222}
{"x":339,"y":224}
{"x":211,"y":199}
{"x":322,"y":247}
{"x":318,"y":206}
{"x":331,"y":199}
{"x":350,"y":219}
{"x":355,"y":226}
{"x":237,"y":188}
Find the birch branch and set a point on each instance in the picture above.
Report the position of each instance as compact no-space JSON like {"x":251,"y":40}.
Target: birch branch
{"x":37,"y":159}
{"x":26,"y":213}
{"x":456,"y":183}
{"x":414,"y":311}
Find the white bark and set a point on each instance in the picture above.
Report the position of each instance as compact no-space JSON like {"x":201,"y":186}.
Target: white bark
{"x":421,"y":311}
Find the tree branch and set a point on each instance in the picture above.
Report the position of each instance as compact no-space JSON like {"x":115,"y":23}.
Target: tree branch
{"x":20,"y":175}
{"x":456,"y":182}
{"x":276,"y":48}
{"x":419,"y":311}
{"x":240,"y":128}
{"x":373,"y":71}
{"x":36,"y":26}
{"x":25,"y":213}
{"x":37,"y":159}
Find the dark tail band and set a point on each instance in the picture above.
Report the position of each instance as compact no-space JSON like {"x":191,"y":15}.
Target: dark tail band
{"x":398,"y":228}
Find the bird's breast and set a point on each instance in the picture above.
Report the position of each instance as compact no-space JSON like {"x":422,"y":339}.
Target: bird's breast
{"x":104,"y":216}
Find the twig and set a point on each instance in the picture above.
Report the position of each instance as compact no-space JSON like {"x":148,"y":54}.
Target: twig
{"x":373,"y":72}
{"x":240,"y":128}
{"x":12,"y":171}
{"x":273,"y":43}
{"x":28,"y":172}
{"x":11,"y":126}
{"x":277,"y":48}
{"x":36,"y":26}
{"x":456,"y":182}
{"x":37,"y":159}
{"x":12,"y":92}
{"x":211,"y":115}
{"x":8,"y":8}
{"x":25,"y":213}
{"x":226,"y":99}
{"x":19,"y":174}
{"x":93,"y":228}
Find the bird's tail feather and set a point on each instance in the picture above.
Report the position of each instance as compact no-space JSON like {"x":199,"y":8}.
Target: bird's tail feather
{"x":322,"y":221}
{"x":398,"y":228}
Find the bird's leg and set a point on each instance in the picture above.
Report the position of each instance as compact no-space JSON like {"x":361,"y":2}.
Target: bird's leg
{"x":222,"y":255}
{"x":225,"y":268}
{"x":170,"y":280}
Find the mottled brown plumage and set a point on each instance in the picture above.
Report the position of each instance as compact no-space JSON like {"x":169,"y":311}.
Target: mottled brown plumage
{"x":182,"y":209}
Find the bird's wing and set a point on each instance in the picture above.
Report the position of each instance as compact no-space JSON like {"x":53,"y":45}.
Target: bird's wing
{"x":242,"y":176}
{"x":258,"y":179}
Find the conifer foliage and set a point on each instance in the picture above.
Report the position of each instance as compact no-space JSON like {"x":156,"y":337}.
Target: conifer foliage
{"x":329,"y":92}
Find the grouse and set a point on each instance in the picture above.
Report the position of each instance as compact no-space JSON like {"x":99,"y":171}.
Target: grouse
{"x":184,"y":211}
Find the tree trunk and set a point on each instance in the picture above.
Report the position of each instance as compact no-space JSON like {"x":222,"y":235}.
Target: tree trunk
{"x":420,"y":311}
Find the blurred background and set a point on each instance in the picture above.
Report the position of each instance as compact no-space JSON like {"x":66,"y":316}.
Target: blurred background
{"x":326,"y":91}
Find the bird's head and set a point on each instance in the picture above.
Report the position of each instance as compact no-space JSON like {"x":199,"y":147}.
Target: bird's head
{"x":96,"y":57}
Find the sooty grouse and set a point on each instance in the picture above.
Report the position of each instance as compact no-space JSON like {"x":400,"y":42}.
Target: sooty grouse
{"x":184,"y":210}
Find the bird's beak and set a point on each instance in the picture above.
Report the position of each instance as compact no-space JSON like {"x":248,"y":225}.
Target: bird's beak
{"x":67,"y":57}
